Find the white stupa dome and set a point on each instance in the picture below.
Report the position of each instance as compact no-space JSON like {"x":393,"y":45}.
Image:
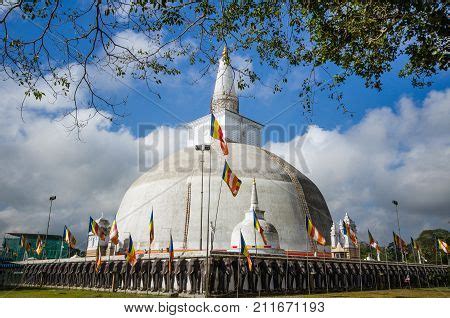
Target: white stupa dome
{"x":173,"y":187}
{"x":165,"y":188}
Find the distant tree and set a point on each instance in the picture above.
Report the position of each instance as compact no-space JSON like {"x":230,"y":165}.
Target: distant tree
{"x":428,"y":246}
{"x":45,"y":42}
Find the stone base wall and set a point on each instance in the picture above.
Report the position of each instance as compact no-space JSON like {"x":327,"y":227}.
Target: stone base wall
{"x":229,"y":275}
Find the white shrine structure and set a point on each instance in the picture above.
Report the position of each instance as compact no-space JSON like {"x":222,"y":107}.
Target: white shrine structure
{"x":341,"y":245}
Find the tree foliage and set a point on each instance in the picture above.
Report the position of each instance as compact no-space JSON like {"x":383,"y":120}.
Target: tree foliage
{"x":45,"y":41}
{"x":427,"y":241}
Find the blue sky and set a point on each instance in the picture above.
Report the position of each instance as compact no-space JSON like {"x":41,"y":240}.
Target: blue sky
{"x":190,"y":101}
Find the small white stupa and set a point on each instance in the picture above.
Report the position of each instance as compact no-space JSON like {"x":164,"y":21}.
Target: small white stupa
{"x":253,"y":238}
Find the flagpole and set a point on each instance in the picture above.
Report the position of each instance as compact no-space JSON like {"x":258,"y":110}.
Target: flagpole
{"x":169,"y":280}
{"x":396,"y":260}
{"x":360,"y":266}
{"x":148,"y":264}
{"x":387,"y":268}
{"x":325,"y":268}
{"x":256,"y":249}
{"x":149,"y":252}
{"x":287,"y":269}
{"x":62,"y":242}
{"x":239,"y":267}
{"x":307,"y":258}
{"x":207,"y":227}
{"x":254,"y":232}
{"x":126,"y":265}
{"x":87,"y":244}
{"x":407,"y":268}
{"x":436,"y":247}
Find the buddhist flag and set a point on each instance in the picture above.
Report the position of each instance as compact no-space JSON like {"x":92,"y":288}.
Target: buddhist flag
{"x":216,"y":133}
{"x":314,"y":233}
{"x":114,"y":233}
{"x":349,"y":232}
{"x":399,"y":242}
{"x":151,"y":229}
{"x":23,"y":241}
{"x":258,"y":227}
{"x":96,"y":229}
{"x":443,"y":246}
{"x":131,"y":253}
{"x":372,"y":242}
{"x":414,"y":244}
{"x":171,"y":254}
{"x":39,"y":245}
{"x":246,"y":253}
{"x":69,"y":238}
{"x":231,"y":180}
{"x":98,"y":259}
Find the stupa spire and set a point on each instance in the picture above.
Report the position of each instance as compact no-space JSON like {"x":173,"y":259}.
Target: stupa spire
{"x":254,"y":200}
{"x":225,"y":96}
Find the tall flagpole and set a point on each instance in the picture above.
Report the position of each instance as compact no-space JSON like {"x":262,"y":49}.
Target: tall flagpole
{"x":325,"y":268}
{"x":387,"y":268}
{"x":287,"y":269}
{"x":148,"y":264}
{"x":62,"y":242}
{"x":436,"y":246}
{"x":407,"y":268}
{"x":87,"y":245}
{"x":396,"y":260}
{"x":307,"y":258}
{"x":207,"y":229}
{"x":360,"y":265}
{"x":239,"y":267}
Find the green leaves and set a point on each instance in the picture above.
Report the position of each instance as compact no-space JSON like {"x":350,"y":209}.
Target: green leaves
{"x":330,"y":40}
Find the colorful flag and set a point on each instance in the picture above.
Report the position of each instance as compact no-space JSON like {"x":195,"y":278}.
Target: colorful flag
{"x":114,"y":233}
{"x":414,"y":244}
{"x":131,"y":253}
{"x":372,"y":242}
{"x":258,"y":227}
{"x":231,"y":180}
{"x":96,"y":229}
{"x":246,"y":253}
{"x":69,"y":238}
{"x":151,"y":229}
{"x":314,"y":233}
{"x":23,"y":241}
{"x":39,"y":245}
{"x":443,"y":246}
{"x":171,"y":254}
{"x":98,"y":259}
{"x":399,"y":243}
{"x":349,"y":232}
{"x":216,"y":133}
{"x":28,"y":247}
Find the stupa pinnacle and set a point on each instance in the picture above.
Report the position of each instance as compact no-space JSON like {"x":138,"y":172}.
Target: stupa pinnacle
{"x":224,"y":96}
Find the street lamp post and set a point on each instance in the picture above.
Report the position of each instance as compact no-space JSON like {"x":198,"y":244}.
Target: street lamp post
{"x":202,"y":148}
{"x":52,"y":198}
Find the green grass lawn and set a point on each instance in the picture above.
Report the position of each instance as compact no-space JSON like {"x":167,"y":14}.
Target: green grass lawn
{"x":441,"y":292}
{"x":76,"y":293}
{"x":64,"y":293}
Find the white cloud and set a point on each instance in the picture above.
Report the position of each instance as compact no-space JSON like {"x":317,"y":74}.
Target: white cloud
{"x":89,"y":177}
{"x":402,"y":155}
